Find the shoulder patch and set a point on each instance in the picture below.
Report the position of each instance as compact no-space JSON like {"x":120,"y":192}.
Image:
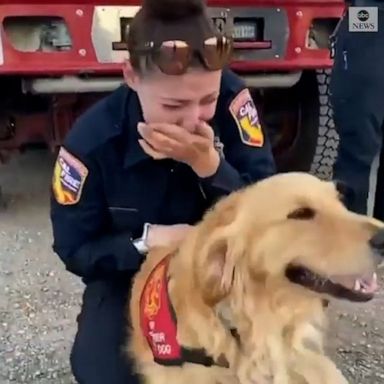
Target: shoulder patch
{"x":244,"y":112}
{"x":69,"y":176}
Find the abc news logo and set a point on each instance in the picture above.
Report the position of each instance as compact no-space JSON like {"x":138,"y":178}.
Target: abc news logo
{"x":363,"y":15}
{"x":363,"y":19}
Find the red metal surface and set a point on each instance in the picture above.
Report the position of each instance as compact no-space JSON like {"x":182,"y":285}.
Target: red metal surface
{"x":82,"y":58}
{"x":48,"y":127}
{"x":252,"y":45}
{"x":65,"y":110}
{"x":216,"y":3}
{"x":29,"y":129}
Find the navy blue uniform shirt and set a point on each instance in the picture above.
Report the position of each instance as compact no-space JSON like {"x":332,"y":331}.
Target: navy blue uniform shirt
{"x":105,"y":187}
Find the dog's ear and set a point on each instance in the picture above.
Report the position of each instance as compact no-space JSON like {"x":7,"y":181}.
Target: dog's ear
{"x":216,"y":258}
{"x":215,"y":270}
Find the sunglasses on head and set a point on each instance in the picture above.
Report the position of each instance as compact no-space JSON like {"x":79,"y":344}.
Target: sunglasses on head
{"x":173,"y":57}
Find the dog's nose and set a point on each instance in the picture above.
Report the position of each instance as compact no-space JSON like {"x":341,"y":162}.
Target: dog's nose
{"x":377,"y":241}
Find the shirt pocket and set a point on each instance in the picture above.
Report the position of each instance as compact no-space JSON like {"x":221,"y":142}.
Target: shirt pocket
{"x":126,"y":219}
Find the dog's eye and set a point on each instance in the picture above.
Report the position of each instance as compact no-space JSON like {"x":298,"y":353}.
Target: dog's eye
{"x":303,"y":213}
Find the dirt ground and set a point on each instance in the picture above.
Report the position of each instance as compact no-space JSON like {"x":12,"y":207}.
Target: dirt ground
{"x":40,"y":301}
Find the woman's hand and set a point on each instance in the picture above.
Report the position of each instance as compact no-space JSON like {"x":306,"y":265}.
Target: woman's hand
{"x":161,"y":141}
{"x":165,"y":235}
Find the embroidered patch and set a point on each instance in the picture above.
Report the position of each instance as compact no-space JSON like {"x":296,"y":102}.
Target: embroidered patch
{"x":152,"y":292}
{"x":157,"y":322}
{"x":69,"y":176}
{"x":244,"y":112}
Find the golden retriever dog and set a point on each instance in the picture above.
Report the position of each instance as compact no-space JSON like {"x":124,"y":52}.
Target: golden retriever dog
{"x":241,"y":299}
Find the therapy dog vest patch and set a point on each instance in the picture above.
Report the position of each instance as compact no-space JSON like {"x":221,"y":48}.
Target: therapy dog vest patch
{"x":157,"y":322}
{"x":244,"y":112}
{"x":69,"y":176}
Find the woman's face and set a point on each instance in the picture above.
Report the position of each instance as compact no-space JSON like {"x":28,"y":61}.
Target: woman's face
{"x":183,"y":100}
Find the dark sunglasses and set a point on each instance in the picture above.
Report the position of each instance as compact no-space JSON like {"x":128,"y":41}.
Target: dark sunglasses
{"x":173,"y":57}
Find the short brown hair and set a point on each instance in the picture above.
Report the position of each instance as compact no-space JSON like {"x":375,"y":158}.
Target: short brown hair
{"x":161,"y":20}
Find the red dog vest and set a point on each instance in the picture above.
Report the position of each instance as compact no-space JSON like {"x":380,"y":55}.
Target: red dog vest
{"x":159,"y":325}
{"x":157,"y":322}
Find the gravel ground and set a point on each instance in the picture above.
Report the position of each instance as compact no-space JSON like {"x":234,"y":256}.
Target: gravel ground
{"x":40,"y":305}
{"x":41,"y":301}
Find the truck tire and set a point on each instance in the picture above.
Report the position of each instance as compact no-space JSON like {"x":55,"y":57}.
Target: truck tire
{"x":328,"y":138}
{"x":299,"y":123}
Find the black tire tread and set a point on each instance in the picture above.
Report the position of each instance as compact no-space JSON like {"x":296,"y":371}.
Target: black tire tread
{"x":328,"y":139}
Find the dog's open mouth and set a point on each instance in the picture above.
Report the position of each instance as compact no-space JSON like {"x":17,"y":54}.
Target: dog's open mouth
{"x":353,"y":288}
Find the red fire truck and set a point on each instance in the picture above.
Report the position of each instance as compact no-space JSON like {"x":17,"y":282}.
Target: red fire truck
{"x":58,"y":57}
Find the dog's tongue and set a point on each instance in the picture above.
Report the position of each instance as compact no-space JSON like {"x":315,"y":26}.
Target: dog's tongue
{"x":367,"y":284}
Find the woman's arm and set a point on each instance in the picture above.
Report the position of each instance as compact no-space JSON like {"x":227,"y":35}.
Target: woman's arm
{"x":79,"y":220}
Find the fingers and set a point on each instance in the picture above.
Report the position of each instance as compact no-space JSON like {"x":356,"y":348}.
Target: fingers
{"x":150,"y":151}
{"x":204,"y":130}
{"x":180,"y":231}
{"x":162,"y":141}
{"x":183,"y":137}
{"x":201,"y":144}
{"x":181,"y":134}
{"x":203,"y":137}
{"x":175,"y":132}
{"x":183,"y":227}
{"x":158,"y":141}
{"x":172,"y":131}
{"x":165,"y":235}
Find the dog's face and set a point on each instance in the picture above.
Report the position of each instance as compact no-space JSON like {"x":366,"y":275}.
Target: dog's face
{"x":291,"y":228}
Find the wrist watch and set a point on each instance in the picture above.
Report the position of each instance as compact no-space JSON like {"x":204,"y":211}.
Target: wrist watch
{"x":141,"y":243}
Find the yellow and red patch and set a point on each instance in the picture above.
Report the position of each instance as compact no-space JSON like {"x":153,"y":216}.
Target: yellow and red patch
{"x":68,"y":180}
{"x":152,"y":291}
{"x":157,"y":322}
{"x":244,"y":112}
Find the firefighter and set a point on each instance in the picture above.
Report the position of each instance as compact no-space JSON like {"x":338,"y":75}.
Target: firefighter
{"x":144,"y":164}
{"x":357,"y":97}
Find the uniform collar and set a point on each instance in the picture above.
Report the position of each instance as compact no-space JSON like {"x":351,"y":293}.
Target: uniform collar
{"x":131,"y":115}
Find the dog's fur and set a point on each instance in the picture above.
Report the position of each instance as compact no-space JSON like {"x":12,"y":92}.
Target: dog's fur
{"x":230,"y":271}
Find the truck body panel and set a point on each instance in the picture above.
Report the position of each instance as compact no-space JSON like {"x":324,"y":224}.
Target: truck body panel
{"x":59,"y":57}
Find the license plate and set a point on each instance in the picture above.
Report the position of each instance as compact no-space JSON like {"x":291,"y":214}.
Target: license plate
{"x":245,"y":31}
